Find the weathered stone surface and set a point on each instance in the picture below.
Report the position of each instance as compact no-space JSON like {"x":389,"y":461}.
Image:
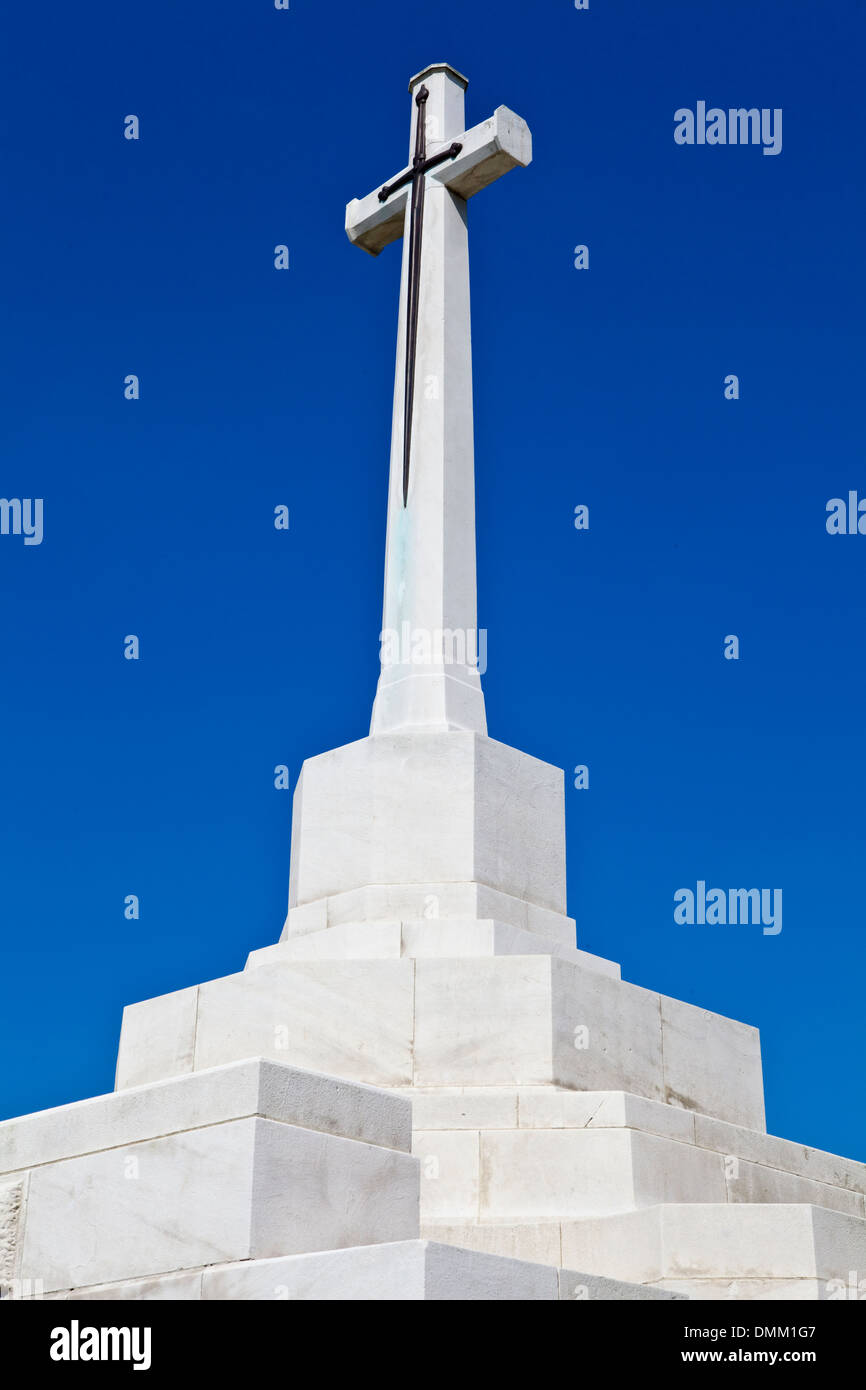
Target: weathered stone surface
{"x":447,"y":937}
{"x":378,"y":902}
{"x":545,"y":1107}
{"x":590,"y":1287}
{"x":538,"y":1242}
{"x":407,"y":1271}
{"x":243,"y":1162}
{"x":454,"y":1107}
{"x":698,"y":1044}
{"x":346,"y":1018}
{"x":449,"y":808}
{"x":766,"y":1149}
{"x":235,"y":1091}
{"x":158,"y":1038}
{"x":530,"y":1021}
{"x":518,"y":1021}
{"x":691,"y":1244}
{"x":545,"y":1154}
{"x":11,"y":1202}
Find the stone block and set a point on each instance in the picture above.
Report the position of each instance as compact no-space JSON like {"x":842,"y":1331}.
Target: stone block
{"x":162,"y":1288}
{"x":393,"y":1272}
{"x":560,"y":1174}
{"x":235,"y":1091}
{"x":766,"y":1149}
{"x":479,"y":1107}
{"x":236,"y":1164}
{"x":686,"y":1245}
{"x":500,"y":1021}
{"x":483,"y":1022}
{"x":591,"y":1287}
{"x":547,"y":1107}
{"x":753,"y":1182}
{"x":449,"y":808}
{"x":448,"y":937}
{"x":539,"y":1243}
{"x":409,"y":902}
{"x":449,"y":1173}
{"x":535,"y":1021}
{"x":698,"y":1044}
{"x":345,"y":1018}
{"x":158,"y":1038}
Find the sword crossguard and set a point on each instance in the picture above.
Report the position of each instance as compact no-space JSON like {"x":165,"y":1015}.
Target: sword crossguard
{"x":420,"y":166}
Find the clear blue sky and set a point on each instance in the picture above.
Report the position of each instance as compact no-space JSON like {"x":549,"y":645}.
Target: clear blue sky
{"x":602,"y":387}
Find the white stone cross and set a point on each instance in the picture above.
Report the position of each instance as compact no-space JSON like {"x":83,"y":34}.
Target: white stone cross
{"x":429,"y":676}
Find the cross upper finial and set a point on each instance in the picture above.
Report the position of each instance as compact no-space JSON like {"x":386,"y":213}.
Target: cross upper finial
{"x":439,"y":67}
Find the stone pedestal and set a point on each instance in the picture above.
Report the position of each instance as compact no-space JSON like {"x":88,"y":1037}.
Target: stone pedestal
{"x":428,"y":825}
{"x":572,"y":1134}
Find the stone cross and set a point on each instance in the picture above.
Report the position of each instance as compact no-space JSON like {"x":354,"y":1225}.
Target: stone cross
{"x":429,"y":676}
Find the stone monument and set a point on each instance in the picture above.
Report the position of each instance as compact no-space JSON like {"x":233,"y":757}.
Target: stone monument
{"x":425,"y":1090}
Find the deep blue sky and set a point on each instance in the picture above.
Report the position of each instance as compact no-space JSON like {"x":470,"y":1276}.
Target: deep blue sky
{"x":602,"y":387}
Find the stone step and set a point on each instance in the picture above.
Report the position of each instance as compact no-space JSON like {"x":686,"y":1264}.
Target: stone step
{"x":449,"y":937}
{"x":542,"y":1154}
{"x":414,"y":902}
{"x":407,"y":1271}
{"x":706,"y":1251}
{"x":528,"y":1020}
{"x":255,"y":1086}
{"x":246,"y":1162}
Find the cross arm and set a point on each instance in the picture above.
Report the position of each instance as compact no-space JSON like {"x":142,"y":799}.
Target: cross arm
{"x":373,"y":225}
{"x":488,"y":151}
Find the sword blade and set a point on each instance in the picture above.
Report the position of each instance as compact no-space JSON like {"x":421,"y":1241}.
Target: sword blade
{"x":416,"y":223}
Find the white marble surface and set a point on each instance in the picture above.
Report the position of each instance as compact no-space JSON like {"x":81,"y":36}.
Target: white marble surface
{"x":240,"y":1189}
{"x":715,"y":1242}
{"x":470,"y":1021}
{"x":405,"y":1271}
{"x":348,"y":1018}
{"x":209,"y":1097}
{"x":376,"y":903}
{"x":536,"y":1154}
{"x":556,"y":1175}
{"x":699,"y":1044}
{"x":447,"y":937}
{"x":448,"y":808}
{"x":158,"y":1038}
{"x":430,"y":547}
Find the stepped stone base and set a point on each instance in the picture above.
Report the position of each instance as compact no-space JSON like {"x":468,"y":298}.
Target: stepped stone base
{"x":534,"y":1115}
{"x":409,"y":1271}
{"x":503,"y":1020}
